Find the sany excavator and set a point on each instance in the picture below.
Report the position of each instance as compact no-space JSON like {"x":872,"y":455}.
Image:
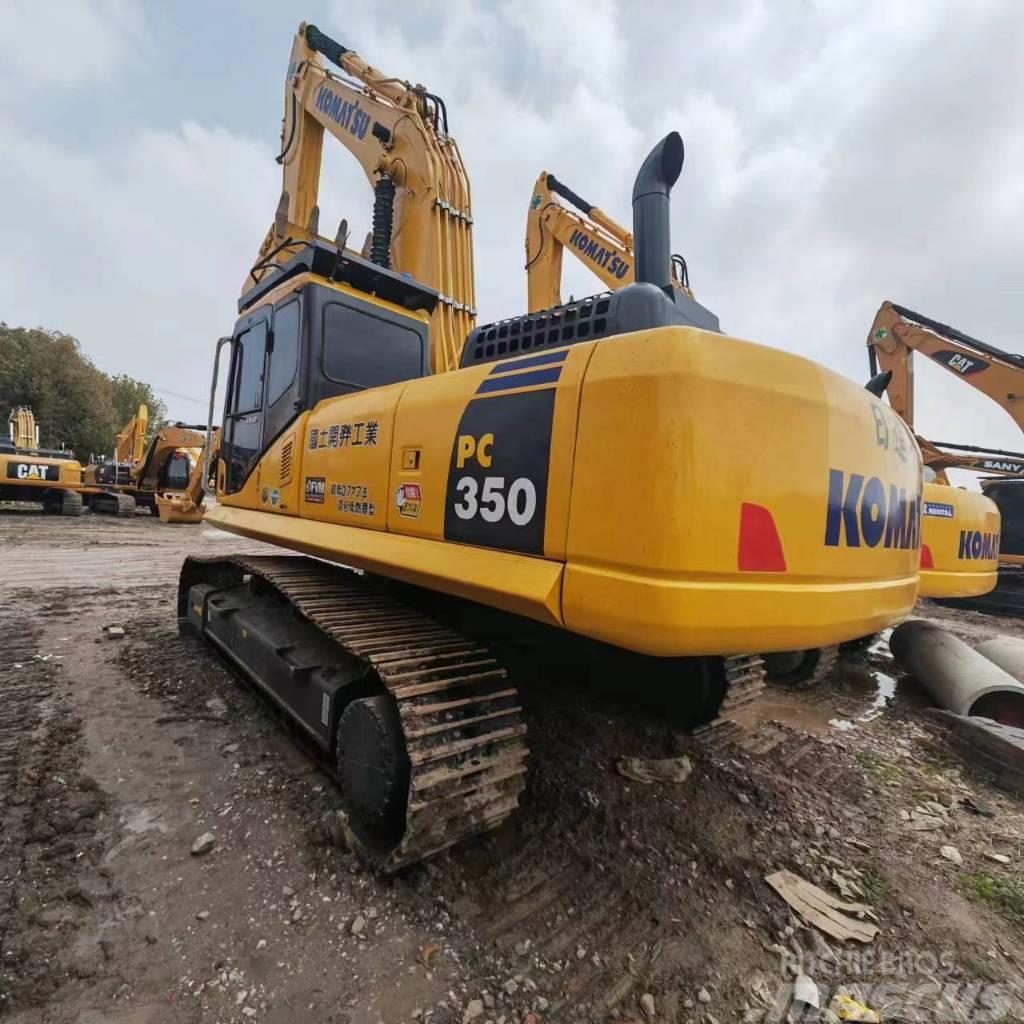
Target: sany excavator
{"x":550,"y":228}
{"x":603,"y":474}
{"x":600,"y":244}
{"x":31,"y":473}
{"x":895,"y":335}
{"x":163,"y":474}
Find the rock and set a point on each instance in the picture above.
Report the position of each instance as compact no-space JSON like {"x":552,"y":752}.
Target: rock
{"x":820,"y":948}
{"x":743,"y":798}
{"x":951,"y":853}
{"x":581,"y":953}
{"x":202,"y":915}
{"x":703,"y":995}
{"x":529,"y":984}
{"x":511,"y":987}
{"x":805,"y":991}
{"x":241,"y":997}
{"x":540,"y":1004}
{"x":474,"y":1010}
{"x":230,"y":748}
{"x":998,"y":858}
{"x":358,"y":926}
{"x":488,"y":1000}
{"x":287,"y":890}
{"x":296,"y":915}
{"x":204,"y":844}
{"x":647,"y":1005}
{"x":523,"y":947}
{"x":262,"y":944}
{"x":248,"y":1011}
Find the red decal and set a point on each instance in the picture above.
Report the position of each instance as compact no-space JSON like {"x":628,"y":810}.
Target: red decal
{"x":760,"y":549}
{"x":926,"y":557}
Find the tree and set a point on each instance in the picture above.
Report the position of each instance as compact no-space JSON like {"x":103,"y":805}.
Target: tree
{"x":75,"y":404}
{"x":128,"y":394}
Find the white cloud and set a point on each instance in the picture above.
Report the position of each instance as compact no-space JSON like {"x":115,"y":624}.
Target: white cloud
{"x":838,"y":154}
{"x":68,"y":43}
{"x":139,"y":251}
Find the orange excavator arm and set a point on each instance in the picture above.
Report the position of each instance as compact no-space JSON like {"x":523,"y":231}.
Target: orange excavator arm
{"x":897,"y":333}
{"x":422,"y":220}
{"x":601,"y":244}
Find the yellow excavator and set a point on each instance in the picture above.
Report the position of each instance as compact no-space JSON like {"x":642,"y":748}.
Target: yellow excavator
{"x":163,"y":474}
{"x":598,"y":242}
{"x":950,"y":566}
{"x":603,"y":473}
{"x":895,"y":335}
{"x":30,"y":473}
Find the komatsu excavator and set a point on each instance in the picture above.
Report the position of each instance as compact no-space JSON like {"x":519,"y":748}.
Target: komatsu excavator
{"x":600,"y":244}
{"x":30,"y":473}
{"x":163,"y":474}
{"x":895,"y":335}
{"x":606,"y":248}
{"x":604,"y":472}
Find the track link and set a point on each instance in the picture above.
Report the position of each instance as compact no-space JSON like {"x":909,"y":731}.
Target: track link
{"x":460,"y":716}
{"x":113,"y":503}
{"x":744,"y":685}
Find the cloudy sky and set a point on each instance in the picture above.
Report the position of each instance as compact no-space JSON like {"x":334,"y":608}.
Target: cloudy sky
{"x":837,"y":154}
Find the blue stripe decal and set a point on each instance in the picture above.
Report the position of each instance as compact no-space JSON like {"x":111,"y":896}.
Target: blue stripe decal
{"x":519,"y":380}
{"x":526,"y":364}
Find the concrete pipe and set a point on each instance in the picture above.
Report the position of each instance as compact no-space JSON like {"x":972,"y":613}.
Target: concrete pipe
{"x":1005,"y":651}
{"x":956,"y":677}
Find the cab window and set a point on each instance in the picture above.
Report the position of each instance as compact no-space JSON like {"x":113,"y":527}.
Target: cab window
{"x":361,"y":350}
{"x":284,"y":359}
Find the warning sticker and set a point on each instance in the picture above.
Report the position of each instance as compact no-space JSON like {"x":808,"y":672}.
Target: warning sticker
{"x":409,"y":500}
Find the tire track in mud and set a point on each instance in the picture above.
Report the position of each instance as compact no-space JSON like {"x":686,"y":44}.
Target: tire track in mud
{"x":48,"y":813}
{"x":25,"y":686}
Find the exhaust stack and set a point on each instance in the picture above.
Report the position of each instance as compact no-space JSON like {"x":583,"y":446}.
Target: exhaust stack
{"x":651,"y":228}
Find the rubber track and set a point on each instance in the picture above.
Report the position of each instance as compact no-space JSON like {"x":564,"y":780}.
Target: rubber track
{"x":463,"y":724}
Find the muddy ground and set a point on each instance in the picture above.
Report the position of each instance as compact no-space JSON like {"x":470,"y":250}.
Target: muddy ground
{"x":602,"y":898}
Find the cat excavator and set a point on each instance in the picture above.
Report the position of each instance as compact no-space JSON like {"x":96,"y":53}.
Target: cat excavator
{"x":163,"y":474}
{"x":601,"y":473}
{"x":895,"y":335}
{"x":31,"y":473}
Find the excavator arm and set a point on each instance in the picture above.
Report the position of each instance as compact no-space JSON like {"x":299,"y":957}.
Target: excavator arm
{"x":944,"y":455}
{"x":601,"y":244}
{"x":897,"y":333}
{"x":131,"y":439}
{"x":422,"y":221}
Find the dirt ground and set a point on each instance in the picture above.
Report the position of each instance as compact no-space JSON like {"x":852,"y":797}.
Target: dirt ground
{"x":603,"y":899}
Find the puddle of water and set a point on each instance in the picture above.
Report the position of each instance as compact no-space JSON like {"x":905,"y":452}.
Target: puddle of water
{"x":855,"y":694}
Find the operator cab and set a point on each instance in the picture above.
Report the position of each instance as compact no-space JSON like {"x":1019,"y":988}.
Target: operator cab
{"x":176,"y":472}
{"x":317,"y":342}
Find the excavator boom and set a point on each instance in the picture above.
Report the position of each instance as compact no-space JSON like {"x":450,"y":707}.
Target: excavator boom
{"x":399,"y":134}
{"x":595,"y":239}
{"x":897,"y":333}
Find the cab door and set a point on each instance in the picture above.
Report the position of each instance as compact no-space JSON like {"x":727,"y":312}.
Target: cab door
{"x":243,"y":404}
